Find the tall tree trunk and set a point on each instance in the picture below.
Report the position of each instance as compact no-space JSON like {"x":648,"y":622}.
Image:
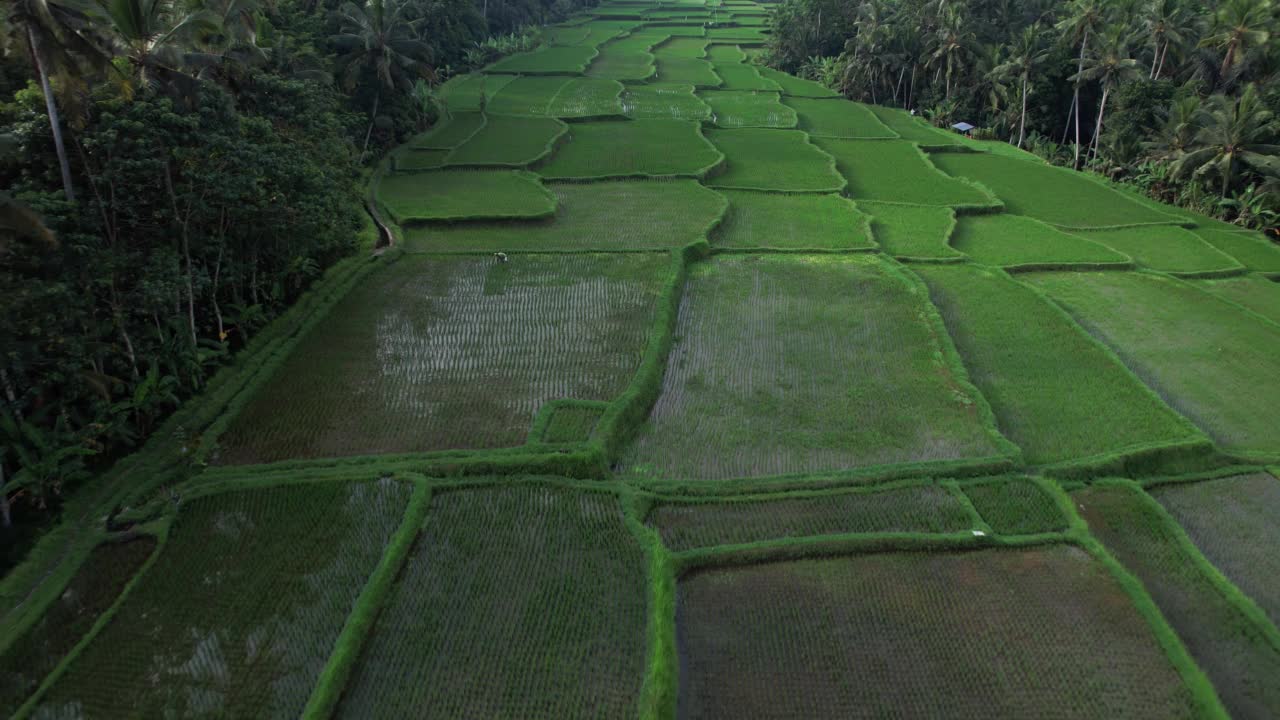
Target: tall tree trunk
{"x":51,"y":106}
{"x":1227,"y":61}
{"x":911,"y":91}
{"x":1084,"y":43}
{"x":184,"y":233}
{"x":117,"y":315}
{"x":1155,"y":55}
{"x":1226,"y":176}
{"x":1097,"y":129}
{"x":373,"y":118}
{"x":1066,"y":129}
{"x":1163,"y":55}
{"x":6,"y":521}
{"x":1022,"y":125}
{"x":191,"y":289}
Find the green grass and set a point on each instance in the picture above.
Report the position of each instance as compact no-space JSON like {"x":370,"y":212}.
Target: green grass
{"x":565,"y":34}
{"x":642,"y":40}
{"x":782,"y":160}
{"x":464,"y":194}
{"x":470,"y":93}
{"x":687,"y":71}
{"x":528,"y":95}
{"x":728,"y":54}
{"x":587,"y":97}
{"x":633,"y":148}
{"x":675,"y":28}
{"x":1016,"y":506}
{"x":1251,"y":250}
{"x":683,"y":47}
{"x":1232,"y":521}
{"x":896,"y":171}
{"x":409,"y":158}
{"x":449,"y":133}
{"x":918,"y":508}
{"x":1164,"y":247}
{"x":1054,"y":195}
{"x":521,"y":602}
{"x":1018,"y":241}
{"x":240,"y":612}
{"x":662,"y":101}
{"x":743,"y":34}
{"x":913,"y":231}
{"x":1018,"y":633}
{"x":786,"y":364}
{"x":793,"y":86}
{"x":95,"y":586}
{"x":1056,"y":393}
{"x":627,"y":65}
{"x":571,"y":423}
{"x":1209,"y":360}
{"x":547,"y":60}
{"x":1252,"y":292}
{"x":1220,"y":637}
{"x":913,"y":129}
{"x":616,"y":215}
{"x":737,"y":76}
{"x":837,"y":118}
{"x":442,"y":353}
{"x":509,"y":141}
{"x":737,"y":109}
{"x":600,"y":32}
{"x":790,"y":221}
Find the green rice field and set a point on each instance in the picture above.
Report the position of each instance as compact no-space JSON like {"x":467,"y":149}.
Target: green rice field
{"x":809,"y":635}
{"x":1209,"y":359}
{"x":437,"y":354}
{"x":681,"y":387}
{"x":815,"y":361}
{"x":791,"y":221}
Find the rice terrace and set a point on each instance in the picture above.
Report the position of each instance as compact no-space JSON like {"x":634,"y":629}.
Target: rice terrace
{"x":687,"y":388}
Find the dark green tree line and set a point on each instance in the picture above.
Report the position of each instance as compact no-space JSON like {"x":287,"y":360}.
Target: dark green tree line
{"x":175,"y":174}
{"x":1177,"y":96}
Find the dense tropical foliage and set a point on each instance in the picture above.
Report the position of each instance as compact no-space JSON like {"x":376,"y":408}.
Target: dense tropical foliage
{"x":175,"y":174}
{"x":1179,"y":97}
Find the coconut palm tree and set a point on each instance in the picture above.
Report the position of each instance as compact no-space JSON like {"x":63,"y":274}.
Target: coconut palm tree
{"x":1179,"y":130}
{"x":159,"y":39}
{"x":1232,"y":133}
{"x":55,"y":35}
{"x":379,"y":38}
{"x":953,"y":40}
{"x":1167,"y":22}
{"x":1110,"y":65}
{"x":1083,"y":18}
{"x":1238,"y":26}
{"x":1027,"y":52}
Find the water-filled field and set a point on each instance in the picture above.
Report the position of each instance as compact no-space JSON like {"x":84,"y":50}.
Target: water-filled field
{"x":689,"y":388}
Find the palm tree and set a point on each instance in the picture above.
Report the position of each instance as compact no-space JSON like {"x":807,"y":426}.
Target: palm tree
{"x":1232,"y":133}
{"x":1083,"y":18}
{"x":1110,"y":65}
{"x":1238,"y":26}
{"x":1166,"y":21}
{"x":51,"y":31}
{"x":1179,"y":131}
{"x":158,"y":38}
{"x":1025,"y":55}
{"x":377,"y":37}
{"x":952,"y":40}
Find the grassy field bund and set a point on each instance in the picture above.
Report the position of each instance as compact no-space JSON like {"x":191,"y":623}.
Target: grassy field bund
{"x":690,"y":389}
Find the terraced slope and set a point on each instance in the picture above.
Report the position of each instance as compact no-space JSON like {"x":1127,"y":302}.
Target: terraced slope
{"x":690,"y":389}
